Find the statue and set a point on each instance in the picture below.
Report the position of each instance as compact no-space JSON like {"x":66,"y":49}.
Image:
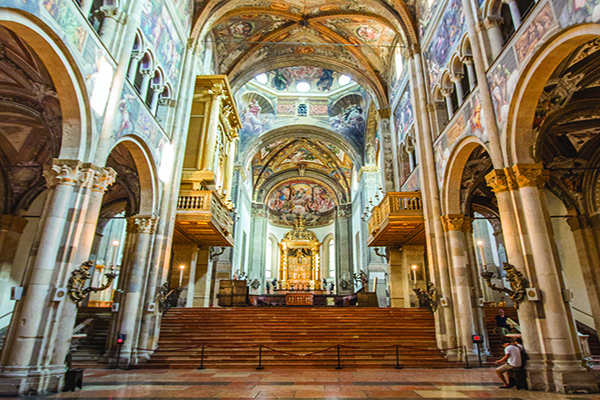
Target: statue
{"x":268,"y":288}
{"x":428,"y":297}
{"x":518,"y":283}
{"x":79,"y":276}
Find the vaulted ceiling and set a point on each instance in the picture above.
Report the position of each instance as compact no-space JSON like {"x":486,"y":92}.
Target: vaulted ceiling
{"x":354,"y":37}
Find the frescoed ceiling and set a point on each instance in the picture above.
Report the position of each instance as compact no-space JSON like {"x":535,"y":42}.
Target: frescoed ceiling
{"x":303,"y":155}
{"x":252,"y":36}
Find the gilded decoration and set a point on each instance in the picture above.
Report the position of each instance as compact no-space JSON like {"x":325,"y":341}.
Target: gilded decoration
{"x":300,"y":266}
{"x":78,"y":279}
{"x":456,"y":222}
{"x":530,"y":175}
{"x":518,"y":283}
{"x":497,"y":181}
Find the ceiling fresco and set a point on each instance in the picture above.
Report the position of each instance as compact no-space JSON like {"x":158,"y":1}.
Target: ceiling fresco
{"x":276,"y":103}
{"x":296,"y":197}
{"x":303,"y":155}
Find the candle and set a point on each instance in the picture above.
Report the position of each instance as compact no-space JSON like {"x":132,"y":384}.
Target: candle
{"x":480,"y":244}
{"x":181,"y":268}
{"x":114,"y":257}
{"x":414,"y":270}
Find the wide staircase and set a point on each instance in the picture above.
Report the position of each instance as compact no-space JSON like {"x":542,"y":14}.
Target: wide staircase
{"x":89,"y":342}
{"x":232,"y":338}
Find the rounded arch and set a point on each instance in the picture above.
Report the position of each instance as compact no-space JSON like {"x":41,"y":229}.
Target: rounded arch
{"x":271,"y":182}
{"x":146,"y":167}
{"x":465,"y":47}
{"x":451,"y":199}
{"x":295,"y":132}
{"x":456,"y":65}
{"x":541,"y":66}
{"x":68,"y":81}
{"x":250,"y":71}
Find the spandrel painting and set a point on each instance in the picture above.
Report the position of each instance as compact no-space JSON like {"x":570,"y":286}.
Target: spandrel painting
{"x":301,"y":197}
{"x":403,"y":115}
{"x":503,"y":79}
{"x":159,"y":30}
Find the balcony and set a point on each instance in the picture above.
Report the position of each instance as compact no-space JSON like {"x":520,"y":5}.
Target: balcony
{"x":397,"y":221}
{"x":203,"y":219}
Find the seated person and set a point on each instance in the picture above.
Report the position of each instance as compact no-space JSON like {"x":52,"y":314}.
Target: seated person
{"x":501,"y":323}
{"x":512,"y":357}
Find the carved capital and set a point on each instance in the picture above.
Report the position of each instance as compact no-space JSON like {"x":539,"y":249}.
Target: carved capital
{"x":578,"y":222}
{"x":456,"y":78}
{"x":218,"y":92}
{"x":431,"y":107}
{"x":497,"y":181}
{"x":62,"y":172}
{"x":446,"y":92}
{"x":385,"y":113}
{"x":530,"y":175}
{"x":455,"y":222}
{"x":467,"y":60}
{"x":493,"y":21}
{"x":142,"y":224}
{"x":103,"y":178}
{"x":344,"y":210}
{"x":259,"y":210}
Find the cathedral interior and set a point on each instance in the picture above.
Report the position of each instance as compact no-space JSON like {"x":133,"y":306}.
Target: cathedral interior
{"x":174,"y":170}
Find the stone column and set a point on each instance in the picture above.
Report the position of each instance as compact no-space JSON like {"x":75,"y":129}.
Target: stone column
{"x":217,"y":94}
{"x":140,"y":236}
{"x":112,"y":17}
{"x":343,"y":246}
{"x":258,"y":242}
{"x":398,"y":295}
{"x":228,"y":174}
{"x":560,"y":335}
{"x":447,"y":93}
{"x":514,"y":12}
{"x":436,"y":245}
{"x":145,"y":86}
{"x":11,"y":229}
{"x":157,"y":90}
{"x":492,"y":26}
{"x":468,"y":61}
{"x":587,"y":250}
{"x":460,"y":93}
{"x":136,"y":57}
{"x":202,"y":278}
{"x":455,"y":226}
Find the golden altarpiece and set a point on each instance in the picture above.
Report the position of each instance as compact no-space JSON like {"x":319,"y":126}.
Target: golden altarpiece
{"x":300,"y":266}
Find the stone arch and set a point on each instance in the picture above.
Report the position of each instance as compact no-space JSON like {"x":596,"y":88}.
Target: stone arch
{"x":535,"y":74}
{"x":451,"y":198}
{"x":148,"y":177}
{"x":68,"y":81}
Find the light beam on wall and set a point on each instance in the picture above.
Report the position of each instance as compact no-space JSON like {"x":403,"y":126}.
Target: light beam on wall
{"x":166,"y":163}
{"x":103,"y":83}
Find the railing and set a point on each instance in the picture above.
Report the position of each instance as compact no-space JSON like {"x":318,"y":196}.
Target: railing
{"x":400,"y":203}
{"x":194,"y":200}
{"x":209,"y":202}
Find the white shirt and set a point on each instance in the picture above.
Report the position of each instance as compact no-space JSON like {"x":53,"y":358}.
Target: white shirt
{"x":514,"y":355}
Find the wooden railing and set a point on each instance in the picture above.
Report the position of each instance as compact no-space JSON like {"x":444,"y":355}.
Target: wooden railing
{"x":206,"y":202}
{"x":398,"y":203}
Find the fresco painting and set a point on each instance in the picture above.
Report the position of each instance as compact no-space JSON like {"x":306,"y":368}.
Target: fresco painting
{"x":403,"y":115}
{"x":310,"y":199}
{"x":445,"y":39}
{"x":571,"y":12}
{"x":351,"y":124}
{"x":31,"y":6}
{"x":398,"y":75}
{"x":157,"y":24}
{"x":413,"y":183}
{"x":134,"y":118}
{"x":541,"y":24}
{"x":425,"y":11}
{"x":502,"y":80}
{"x":69,"y":21}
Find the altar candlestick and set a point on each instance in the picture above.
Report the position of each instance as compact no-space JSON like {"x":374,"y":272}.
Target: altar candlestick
{"x":414,"y":270}
{"x":181,"y":268}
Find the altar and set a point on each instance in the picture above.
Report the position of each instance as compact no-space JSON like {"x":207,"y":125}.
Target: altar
{"x":300,"y":266}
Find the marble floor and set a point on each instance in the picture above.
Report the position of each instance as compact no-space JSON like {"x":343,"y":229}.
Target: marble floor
{"x":299,"y":384}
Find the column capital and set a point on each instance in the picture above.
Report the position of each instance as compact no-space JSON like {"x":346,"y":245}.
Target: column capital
{"x":456,"y":78}
{"x":103,"y":178}
{"x":578,"y":222}
{"x":446,"y":92}
{"x":492,"y":21}
{"x":498,"y":181}
{"x":259,"y":210}
{"x":344,"y":210}
{"x":385,"y":113}
{"x":456,"y":222}
{"x":431,"y":107}
{"x":413,"y":49}
{"x":218,"y":91}
{"x":530,"y":175}
{"x":142,"y":224}
{"x":467,"y":60}
{"x":62,"y":172}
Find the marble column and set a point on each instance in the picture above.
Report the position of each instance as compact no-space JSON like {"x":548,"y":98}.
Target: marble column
{"x":455,"y":226}
{"x":436,"y":245}
{"x":202,"y":278}
{"x":492,"y":26}
{"x":447,"y":93}
{"x":460,"y":93}
{"x":217,"y":94}
{"x":589,"y":259}
{"x":344,"y":252}
{"x":258,"y":242}
{"x":109,"y":31}
{"x":560,"y":335}
{"x":140,"y":237}
{"x":11,"y":229}
{"x":228,"y":174}
{"x":401,"y":275}
{"x":468,"y":61}
{"x":514,"y":12}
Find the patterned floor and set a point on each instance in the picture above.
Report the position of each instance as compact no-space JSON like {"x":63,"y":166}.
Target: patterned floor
{"x":300,"y":384}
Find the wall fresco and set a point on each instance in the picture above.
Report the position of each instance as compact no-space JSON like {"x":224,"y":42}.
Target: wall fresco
{"x":413,"y":183}
{"x":445,"y":39}
{"x":503,"y":80}
{"x":310,"y":199}
{"x":31,"y":6}
{"x":157,"y":26}
{"x":62,"y":13}
{"x":536,"y":30}
{"x":398,"y":75}
{"x":425,"y":11}
{"x":571,"y":12}
{"x":403,"y":115}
